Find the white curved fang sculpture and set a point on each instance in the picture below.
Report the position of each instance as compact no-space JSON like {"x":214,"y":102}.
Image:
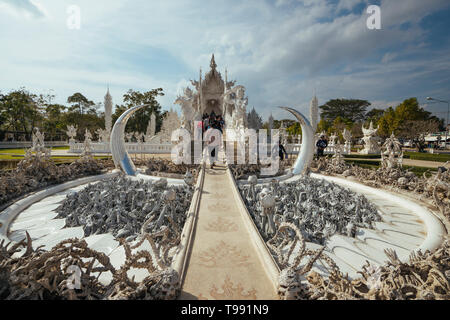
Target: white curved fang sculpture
{"x":118,"y":151}
{"x":306,"y":154}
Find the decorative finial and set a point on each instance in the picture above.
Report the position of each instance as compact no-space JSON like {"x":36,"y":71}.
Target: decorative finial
{"x":213,"y":64}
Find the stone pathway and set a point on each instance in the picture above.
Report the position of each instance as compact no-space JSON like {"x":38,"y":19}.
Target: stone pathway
{"x":223,"y":262}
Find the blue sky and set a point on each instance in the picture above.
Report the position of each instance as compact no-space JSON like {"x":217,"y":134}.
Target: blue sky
{"x":281,"y":50}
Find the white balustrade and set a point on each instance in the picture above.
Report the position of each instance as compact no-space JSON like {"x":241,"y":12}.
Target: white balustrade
{"x":131,"y":148}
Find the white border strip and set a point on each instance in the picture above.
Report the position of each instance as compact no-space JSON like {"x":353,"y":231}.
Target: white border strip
{"x":180,"y":260}
{"x":9,"y":214}
{"x":434,"y":227}
{"x":266,"y":258}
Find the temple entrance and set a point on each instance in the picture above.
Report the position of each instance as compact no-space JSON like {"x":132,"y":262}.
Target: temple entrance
{"x":213,"y":105}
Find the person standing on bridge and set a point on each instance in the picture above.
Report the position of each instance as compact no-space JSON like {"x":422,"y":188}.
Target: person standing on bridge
{"x":213,"y":139}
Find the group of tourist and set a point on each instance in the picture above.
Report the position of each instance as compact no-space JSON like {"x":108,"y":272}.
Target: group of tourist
{"x":212,"y":121}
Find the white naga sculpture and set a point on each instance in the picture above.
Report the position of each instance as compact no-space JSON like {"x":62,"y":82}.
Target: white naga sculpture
{"x":370,"y":141}
{"x":71,"y":133}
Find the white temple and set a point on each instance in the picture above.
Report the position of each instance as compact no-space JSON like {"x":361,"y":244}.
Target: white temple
{"x":214,"y":95}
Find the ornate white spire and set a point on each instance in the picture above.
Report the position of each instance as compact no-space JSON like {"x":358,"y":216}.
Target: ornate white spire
{"x":314,"y":112}
{"x":213,"y":64}
{"x":108,"y":111}
{"x":270,"y":121}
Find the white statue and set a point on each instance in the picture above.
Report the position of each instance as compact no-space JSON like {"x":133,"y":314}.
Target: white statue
{"x":348,"y":141}
{"x":370,"y":142}
{"x":128,"y":136}
{"x":236,"y":97}
{"x":71,"y":133}
{"x":87,"y":146}
{"x":139,"y":137}
{"x":391,"y":153}
{"x":38,"y":141}
{"x":333,"y":139}
{"x":103,"y":135}
{"x":188,"y":112}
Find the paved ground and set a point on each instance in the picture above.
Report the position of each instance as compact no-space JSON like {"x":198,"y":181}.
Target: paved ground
{"x":223,"y":263}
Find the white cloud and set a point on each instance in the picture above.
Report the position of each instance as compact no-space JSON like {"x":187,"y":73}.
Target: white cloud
{"x":24,"y":8}
{"x":280,"y":51}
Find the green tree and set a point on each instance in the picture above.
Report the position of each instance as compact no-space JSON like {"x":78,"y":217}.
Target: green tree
{"x":324,"y":125}
{"x":53,"y":123}
{"x":408,"y":120}
{"x":374,"y":116}
{"x":350,"y":109}
{"x":21,"y":111}
{"x":80,"y":104}
{"x":294,"y":129}
{"x":83,"y":114}
{"x":140,"y":120}
{"x":388,"y":123}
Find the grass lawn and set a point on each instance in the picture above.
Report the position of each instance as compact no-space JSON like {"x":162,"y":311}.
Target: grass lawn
{"x":418,"y":171}
{"x":427,"y":156}
{"x":407,"y":155}
{"x":22,"y":151}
